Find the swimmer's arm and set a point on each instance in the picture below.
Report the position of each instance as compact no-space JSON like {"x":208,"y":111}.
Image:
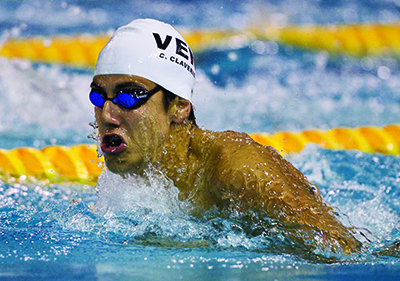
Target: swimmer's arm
{"x":258,"y":179}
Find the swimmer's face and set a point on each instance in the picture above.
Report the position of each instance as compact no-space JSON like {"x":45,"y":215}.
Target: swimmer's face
{"x":130,"y":138}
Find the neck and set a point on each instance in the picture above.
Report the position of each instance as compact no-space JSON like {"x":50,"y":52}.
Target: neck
{"x":178,"y":159}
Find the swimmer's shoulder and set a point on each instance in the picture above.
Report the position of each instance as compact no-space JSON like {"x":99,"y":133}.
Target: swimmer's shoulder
{"x":232,"y":150}
{"x":230,"y":153}
{"x":241,"y":147}
{"x":206,"y":142}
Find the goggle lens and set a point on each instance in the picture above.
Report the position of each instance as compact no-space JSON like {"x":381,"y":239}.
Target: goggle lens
{"x":126,"y":100}
{"x":96,"y":99}
{"x":131,"y":100}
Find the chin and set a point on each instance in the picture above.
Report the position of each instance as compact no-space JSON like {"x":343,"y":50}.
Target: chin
{"x":122,"y":167}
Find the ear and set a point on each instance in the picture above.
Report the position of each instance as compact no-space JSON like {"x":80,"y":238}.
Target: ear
{"x":179,"y":109}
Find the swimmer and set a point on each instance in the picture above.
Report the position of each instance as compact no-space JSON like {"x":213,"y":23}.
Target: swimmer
{"x":142,"y":91}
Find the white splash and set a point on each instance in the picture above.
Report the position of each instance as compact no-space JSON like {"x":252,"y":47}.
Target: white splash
{"x":153,"y":192}
{"x":138,"y":206}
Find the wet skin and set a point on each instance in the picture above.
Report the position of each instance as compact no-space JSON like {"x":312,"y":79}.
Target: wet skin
{"x":142,"y":130}
{"x":224,"y":169}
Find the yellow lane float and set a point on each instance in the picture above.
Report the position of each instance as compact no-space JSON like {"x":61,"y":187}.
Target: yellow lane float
{"x":368,"y":139}
{"x":81,"y":164}
{"x":77,"y":163}
{"x":353,"y":40}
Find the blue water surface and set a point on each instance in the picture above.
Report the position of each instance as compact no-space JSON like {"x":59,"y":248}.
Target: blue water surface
{"x":133,"y":230}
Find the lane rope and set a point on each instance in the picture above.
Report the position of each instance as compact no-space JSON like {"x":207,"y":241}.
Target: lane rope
{"x":79,"y":163}
{"x":355,"y":40}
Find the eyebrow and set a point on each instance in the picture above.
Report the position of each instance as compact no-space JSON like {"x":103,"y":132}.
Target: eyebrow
{"x":123,"y":85}
{"x":129,"y":85}
{"x":95,"y":85}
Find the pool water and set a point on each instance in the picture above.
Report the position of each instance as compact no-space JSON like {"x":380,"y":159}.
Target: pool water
{"x":136,"y":229}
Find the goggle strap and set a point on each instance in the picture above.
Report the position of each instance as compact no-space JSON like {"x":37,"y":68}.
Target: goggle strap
{"x":153,"y":91}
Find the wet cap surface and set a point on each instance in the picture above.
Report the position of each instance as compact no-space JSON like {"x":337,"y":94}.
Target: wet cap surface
{"x":153,"y":50}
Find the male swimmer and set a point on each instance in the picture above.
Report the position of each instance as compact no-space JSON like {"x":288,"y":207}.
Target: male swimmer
{"x":142,"y":96}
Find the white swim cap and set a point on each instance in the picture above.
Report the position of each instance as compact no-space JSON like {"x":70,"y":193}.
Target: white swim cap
{"x":153,"y":50}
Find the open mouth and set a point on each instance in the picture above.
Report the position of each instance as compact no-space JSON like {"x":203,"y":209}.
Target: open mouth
{"x":112,"y":144}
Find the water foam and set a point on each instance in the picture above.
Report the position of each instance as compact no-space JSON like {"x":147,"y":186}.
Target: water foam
{"x":137,"y":207}
{"x":363,"y":187}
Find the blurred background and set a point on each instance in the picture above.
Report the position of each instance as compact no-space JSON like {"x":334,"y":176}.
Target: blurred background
{"x":248,"y":85}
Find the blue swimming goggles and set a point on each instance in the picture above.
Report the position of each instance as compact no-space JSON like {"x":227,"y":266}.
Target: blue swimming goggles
{"x":127,"y":98}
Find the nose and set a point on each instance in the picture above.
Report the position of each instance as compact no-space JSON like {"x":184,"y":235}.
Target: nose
{"x":110,"y":114}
